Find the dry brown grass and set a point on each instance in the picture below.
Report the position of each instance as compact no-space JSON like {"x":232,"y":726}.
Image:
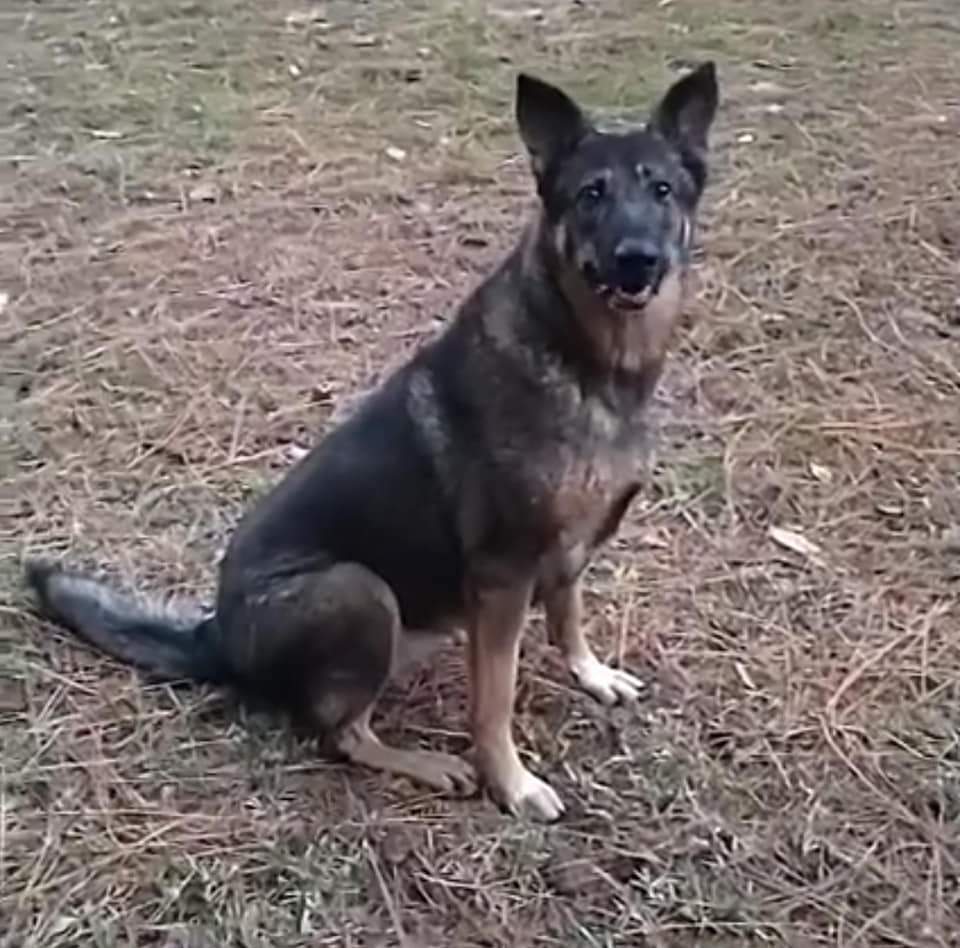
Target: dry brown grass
{"x":206,"y":251}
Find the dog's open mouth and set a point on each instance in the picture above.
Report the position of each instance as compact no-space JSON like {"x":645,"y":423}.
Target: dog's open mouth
{"x":619,"y":298}
{"x":624,"y":301}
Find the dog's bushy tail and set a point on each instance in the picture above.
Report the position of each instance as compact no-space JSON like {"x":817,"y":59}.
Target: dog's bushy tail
{"x":165,"y":640}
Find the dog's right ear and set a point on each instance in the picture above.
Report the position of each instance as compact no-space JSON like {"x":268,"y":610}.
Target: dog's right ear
{"x":551,"y":123}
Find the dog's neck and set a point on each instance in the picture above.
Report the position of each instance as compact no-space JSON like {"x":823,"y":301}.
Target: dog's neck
{"x":630,"y":347}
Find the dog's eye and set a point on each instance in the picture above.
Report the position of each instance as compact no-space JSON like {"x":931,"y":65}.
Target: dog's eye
{"x":593,"y":192}
{"x":662,"y":190}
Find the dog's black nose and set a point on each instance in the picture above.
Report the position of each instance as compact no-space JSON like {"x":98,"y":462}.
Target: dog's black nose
{"x":638,"y":262}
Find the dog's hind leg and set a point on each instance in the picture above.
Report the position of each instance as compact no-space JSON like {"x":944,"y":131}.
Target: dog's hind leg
{"x":444,"y":772}
{"x":325,"y":643}
{"x":564,"y":608}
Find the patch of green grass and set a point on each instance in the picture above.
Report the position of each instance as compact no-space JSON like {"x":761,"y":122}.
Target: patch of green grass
{"x":150,"y":81}
{"x":699,"y":480}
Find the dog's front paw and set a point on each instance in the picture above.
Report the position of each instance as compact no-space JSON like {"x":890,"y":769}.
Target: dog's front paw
{"x":608,"y":685}
{"x":526,"y":795}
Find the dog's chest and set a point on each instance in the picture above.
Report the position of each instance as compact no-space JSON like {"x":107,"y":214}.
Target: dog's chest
{"x":583,"y":471}
{"x":580,"y":493}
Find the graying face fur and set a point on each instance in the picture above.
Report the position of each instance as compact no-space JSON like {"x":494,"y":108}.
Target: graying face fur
{"x":621,"y":207}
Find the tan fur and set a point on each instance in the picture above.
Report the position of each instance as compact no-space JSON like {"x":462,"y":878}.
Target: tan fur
{"x":632,"y":342}
{"x":496,"y":625}
{"x":564,"y":608}
{"x":443,"y":772}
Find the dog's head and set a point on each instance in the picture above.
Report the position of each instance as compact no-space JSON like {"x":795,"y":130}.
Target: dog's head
{"x":620,"y":207}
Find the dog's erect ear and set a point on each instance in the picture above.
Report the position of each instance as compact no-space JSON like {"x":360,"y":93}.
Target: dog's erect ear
{"x":551,"y":123}
{"x":685,"y":114}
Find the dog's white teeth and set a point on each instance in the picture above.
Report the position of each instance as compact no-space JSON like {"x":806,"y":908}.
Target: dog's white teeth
{"x":622,"y":300}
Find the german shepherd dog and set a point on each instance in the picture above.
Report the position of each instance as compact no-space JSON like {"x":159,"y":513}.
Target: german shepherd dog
{"x":478,"y":479}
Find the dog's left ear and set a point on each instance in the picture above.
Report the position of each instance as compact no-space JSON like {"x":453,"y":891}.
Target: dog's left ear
{"x":550,"y":122}
{"x":685,"y":114}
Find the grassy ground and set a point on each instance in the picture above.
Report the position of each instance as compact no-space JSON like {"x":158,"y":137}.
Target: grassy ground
{"x":221,"y":220}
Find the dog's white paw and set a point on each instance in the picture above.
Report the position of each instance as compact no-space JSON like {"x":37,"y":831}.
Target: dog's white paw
{"x":529,"y":796}
{"x":608,"y":685}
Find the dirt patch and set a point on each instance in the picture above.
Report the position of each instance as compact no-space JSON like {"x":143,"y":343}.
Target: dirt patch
{"x":225,"y":220}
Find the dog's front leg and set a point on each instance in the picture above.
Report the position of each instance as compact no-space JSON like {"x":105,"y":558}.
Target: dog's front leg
{"x":496,"y":624}
{"x":564,"y":607}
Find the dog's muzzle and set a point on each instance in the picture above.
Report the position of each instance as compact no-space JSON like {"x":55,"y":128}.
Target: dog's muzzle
{"x":637,"y":272}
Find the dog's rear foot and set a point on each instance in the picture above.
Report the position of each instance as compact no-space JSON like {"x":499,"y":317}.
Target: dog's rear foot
{"x":608,"y":685}
{"x":444,"y":772}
